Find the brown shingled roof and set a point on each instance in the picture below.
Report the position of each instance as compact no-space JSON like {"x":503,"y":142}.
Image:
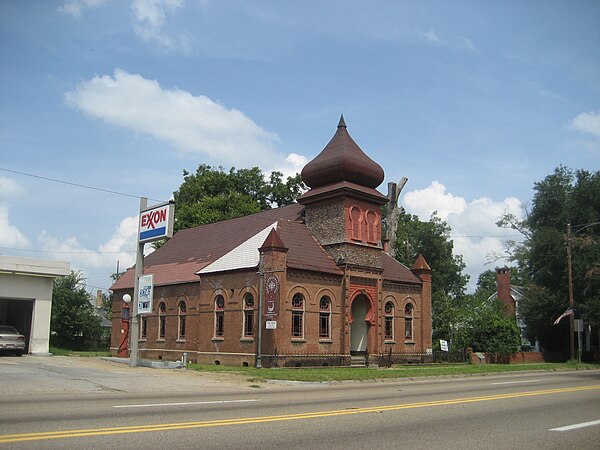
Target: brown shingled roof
{"x":396,"y":271}
{"x":304,"y":251}
{"x":190,"y":250}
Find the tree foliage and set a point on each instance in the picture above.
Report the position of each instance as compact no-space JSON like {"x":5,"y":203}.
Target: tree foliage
{"x":74,"y":323}
{"x":563,"y":197}
{"x":486,"y":326}
{"x":212,"y":194}
{"x":432,"y":240}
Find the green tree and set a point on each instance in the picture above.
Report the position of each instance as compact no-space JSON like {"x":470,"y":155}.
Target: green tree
{"x":73,"y":322}
{"x":484,"y":324}
{"x":432,"y":240}
{"x":563,"y":197}
{"x":212,"y":194}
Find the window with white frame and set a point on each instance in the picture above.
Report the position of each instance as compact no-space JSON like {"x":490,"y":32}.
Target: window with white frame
{"x":182,"y":317}
{"x":143,"y":327}
{"x":408,"y":321}
{"x":162,"y":320}
{"x":248,"y":315}
{"x":298,"y":316}
{"x":389,"y":321}
{"x":325,"y":318}
{"x":219,"y":315}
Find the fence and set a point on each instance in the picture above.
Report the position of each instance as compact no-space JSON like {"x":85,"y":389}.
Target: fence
{"x":345,"y":359}
{"x":435,"y":357}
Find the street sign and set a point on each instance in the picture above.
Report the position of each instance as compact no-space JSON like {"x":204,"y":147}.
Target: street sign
{"x":146,"y":292}
{"x":156,"y":222}
{"x":271,"y":324}
{"x":443,"y":345}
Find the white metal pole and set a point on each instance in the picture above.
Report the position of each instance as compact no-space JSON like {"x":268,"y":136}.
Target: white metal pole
{"x":139,"y":271}
{"x":261,"y":275}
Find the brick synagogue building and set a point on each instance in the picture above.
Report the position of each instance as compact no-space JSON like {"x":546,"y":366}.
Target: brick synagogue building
{"x":331,"y":293}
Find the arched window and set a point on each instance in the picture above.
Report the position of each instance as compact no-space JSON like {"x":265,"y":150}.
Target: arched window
{"x":162,"y":320}
{"x":325,"y":318}
{"x":143,"y":327}
{"x":298,"y":316}
{"x":248,"y":315}
{"x":408,"y":321}
{"x":389,"y":321}
{"x":219,"y":315}
{"x":182,"y":314}
{"x":355,"y":223}
{"x":372,"y":227}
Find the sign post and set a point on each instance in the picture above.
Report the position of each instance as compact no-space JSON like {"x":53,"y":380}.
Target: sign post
{"x":155,"y":223}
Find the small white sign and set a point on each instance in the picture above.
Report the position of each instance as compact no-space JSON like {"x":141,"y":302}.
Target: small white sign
{"x":271,"y":324}
{"x":145,"y":294}
{"x":443,"y":345}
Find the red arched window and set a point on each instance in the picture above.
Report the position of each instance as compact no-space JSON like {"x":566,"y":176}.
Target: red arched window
{"x":356,"y":223}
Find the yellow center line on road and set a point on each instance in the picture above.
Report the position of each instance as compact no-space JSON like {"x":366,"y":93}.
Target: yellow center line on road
{"x":6,"y":438}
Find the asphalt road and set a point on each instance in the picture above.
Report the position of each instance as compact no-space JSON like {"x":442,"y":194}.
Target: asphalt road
{"x":89,"y":403}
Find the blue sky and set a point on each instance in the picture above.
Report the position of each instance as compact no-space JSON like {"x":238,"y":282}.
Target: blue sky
{"x":472,"y":101}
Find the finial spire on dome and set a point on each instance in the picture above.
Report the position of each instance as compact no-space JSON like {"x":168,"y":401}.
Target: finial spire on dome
{"x":342,"y":160}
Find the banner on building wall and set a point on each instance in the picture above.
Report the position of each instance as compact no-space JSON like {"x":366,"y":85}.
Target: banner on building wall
{"x":271,"y":297}
{"x":145,"y":294}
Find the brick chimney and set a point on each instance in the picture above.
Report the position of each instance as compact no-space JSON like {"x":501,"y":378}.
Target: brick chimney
{"x":503,"y":283}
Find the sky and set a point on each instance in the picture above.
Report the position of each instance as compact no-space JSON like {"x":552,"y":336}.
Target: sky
{"x":473,"y":102}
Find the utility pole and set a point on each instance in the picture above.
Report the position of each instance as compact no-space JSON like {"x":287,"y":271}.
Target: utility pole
{"x":571,"y":300}
{"x":139,"y":271}
{"x":261,"y":276}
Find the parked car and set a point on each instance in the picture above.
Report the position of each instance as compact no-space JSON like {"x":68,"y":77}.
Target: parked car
{"x":11,"y":340}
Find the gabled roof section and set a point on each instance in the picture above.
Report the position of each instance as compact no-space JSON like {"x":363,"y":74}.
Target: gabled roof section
{"x":304,"y":252}
{"x":394,"y":270}
{"x":421,"y":264}
{"x":243,"y":256}
{"x":273,"y":242}
{"x":193,"y":249}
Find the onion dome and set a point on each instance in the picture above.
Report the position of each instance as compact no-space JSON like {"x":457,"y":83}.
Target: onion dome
{"x":342,"y":160}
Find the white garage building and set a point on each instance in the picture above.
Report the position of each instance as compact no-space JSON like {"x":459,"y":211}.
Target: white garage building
{"x":26,"y":298}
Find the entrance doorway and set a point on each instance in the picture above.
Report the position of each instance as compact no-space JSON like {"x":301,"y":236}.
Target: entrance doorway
{"x":18,"y":314}
{"x":359,"y":330}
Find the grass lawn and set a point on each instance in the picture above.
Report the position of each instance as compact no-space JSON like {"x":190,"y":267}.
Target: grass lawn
{"x":326,"y":374}
{"x":64,"y":352}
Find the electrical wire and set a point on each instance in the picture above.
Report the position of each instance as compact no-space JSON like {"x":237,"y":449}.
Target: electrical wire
{"x":54,"y":180}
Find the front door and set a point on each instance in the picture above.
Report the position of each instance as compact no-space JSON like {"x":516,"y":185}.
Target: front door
{"x":359,"y":330}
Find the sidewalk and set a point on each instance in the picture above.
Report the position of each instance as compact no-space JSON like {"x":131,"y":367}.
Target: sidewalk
{"x":61,"y":374}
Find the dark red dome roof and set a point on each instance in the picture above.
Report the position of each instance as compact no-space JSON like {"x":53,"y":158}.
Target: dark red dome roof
{"x":342,"y":160}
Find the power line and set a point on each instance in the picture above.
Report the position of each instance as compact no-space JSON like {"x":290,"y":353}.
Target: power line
{"x":54,"y":180}
{"x":65,"y":252}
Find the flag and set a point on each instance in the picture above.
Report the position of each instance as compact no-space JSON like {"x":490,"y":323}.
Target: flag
{"x":568,"y":312}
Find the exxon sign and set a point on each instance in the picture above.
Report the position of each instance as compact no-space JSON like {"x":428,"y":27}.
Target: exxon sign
{"x":156,"y":222}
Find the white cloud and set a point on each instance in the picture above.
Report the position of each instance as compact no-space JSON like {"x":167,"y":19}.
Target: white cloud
{"x":10,"y":236}
{"x":187,"y":122}
{"x":431,"y":36}
{"x":433,"y":198}
{"x":292,"y":165}
{"x":587,"y":123}
{"x":9,"y":189}
{"x":150,"y":17}
{"x":120,"y":247}
{"x":75,"y":8}
{"x":473,"y":223}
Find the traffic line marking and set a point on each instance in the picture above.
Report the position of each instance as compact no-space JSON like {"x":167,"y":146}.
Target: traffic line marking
{"x":7,"y":438}
{"x":516,"y":382}
{"x":216,"y":402}
{"x":577,"y":425}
